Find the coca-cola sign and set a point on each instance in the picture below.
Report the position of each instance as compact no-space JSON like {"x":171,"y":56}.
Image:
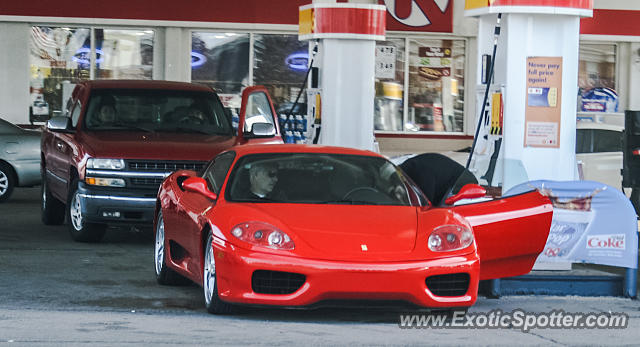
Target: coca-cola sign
{"x":606,"y":242}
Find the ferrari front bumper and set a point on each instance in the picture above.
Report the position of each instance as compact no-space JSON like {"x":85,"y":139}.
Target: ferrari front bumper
{"x":337,"y":280}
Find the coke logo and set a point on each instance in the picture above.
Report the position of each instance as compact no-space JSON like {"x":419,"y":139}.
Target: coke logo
{"x":606,"y":242}
{"x":417,"y":17}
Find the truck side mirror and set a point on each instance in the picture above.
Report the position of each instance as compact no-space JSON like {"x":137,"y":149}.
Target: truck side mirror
{"x":60,"y":124}
{"x":261,"y":130}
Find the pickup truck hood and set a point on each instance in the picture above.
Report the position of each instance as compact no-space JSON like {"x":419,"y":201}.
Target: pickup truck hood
{"x":160,"y":145}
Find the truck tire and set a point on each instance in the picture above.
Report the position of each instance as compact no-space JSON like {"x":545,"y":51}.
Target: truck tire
{"x":52,"y":209}
{"x":7,"y":182}
{"x":79,"y":229}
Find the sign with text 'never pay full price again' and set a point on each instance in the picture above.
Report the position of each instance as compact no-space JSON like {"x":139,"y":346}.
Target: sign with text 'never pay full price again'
{"x":544,"y":100}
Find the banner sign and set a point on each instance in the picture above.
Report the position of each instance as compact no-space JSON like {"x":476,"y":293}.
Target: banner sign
{"x":592,"y":223}
{"x":544,"y":100}
{"x":564,"y":7}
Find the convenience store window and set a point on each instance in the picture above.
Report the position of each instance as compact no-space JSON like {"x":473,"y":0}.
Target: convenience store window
{"x":436,"y":85}
{"x":58,"y":59}
{"x":124,"y":54}
{"x":389,"y":74}
{"x":431,"y":99}
{"x":597,"y":92}
{"x":280,"y":63}
{"x":223,"y":61}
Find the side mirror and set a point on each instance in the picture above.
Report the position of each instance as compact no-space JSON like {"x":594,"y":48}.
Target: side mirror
{"x":261,"y":130}
{"x":59,"y":124}
{"x":469,"y":191}
{"x":198,"y":185}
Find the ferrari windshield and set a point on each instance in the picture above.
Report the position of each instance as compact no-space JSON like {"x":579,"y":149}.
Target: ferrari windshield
{"x":317,"y":178}
{"x":156,"y":111}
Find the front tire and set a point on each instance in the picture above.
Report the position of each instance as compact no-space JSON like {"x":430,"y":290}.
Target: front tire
{"x":164,"y":275}
{"x":79,"y":229}
{"x":7,"y":182}
{"x":210,"y":284}
{"x":52,"y":210}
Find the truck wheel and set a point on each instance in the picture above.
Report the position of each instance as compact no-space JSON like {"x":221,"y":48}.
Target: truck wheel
{"x":164,"y":275}
{"x":7,"y":182}
{"x":52,"y":210}
{"x":79,"y":229}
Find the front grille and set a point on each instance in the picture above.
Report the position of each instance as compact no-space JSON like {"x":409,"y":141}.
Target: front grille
{"x":164,"y":166}
{"x":449,"y":284}
{"x":276,"y":282}
{"x":157,"y":167}
{"x":146,"y":182}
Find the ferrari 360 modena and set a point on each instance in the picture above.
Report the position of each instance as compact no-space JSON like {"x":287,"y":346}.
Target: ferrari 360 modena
{"x":298,"y":225}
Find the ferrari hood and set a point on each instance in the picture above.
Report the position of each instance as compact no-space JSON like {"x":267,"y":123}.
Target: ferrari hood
{"x":160,"y":145}
{"x":349,"y":232}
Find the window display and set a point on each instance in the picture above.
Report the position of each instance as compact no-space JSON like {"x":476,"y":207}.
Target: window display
{"x":388,"y":105}
{"x":220,"y":60}
{"x":280,"y":64}
{"x":436,"y":85}
{"x":61,"y":57}
{"x":124,"y":54}
{"x":597,"y":78}
{"x":58,"y":59}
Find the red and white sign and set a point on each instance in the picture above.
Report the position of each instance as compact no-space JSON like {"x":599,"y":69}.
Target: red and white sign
{"x":401,"y":15}
{"x":419,"y":15}
{"x":342,"y":20}
{"x":613,"y":242}
{"x":565,"y":7}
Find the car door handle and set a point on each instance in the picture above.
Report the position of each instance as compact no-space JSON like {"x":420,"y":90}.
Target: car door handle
{"x":59,"y":145}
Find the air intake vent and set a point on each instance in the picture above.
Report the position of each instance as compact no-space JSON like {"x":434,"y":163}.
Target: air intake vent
{"x":276,"y":282}
{"x":448,"y":285}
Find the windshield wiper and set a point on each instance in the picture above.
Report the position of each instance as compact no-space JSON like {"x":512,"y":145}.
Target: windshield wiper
{"x":193,"y":130}
{"x":129,"y":127}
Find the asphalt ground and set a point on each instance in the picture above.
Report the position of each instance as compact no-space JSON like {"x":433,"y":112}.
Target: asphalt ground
{"x":57,"y":292}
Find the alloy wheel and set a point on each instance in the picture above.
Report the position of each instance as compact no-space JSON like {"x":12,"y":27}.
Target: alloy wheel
{"x":159,"y":248}
{"x":209,"y":273}
{"x":4,"y":183}
{"x":75,"y":212}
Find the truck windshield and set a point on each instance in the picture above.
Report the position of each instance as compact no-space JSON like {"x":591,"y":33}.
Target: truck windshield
{"x":156,"y":111}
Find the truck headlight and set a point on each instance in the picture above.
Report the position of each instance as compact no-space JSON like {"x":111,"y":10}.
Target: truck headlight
{"x":110,"y":164}
{"x":105,"y":182}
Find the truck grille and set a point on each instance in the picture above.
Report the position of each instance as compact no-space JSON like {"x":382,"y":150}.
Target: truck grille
{"x":154,"y":166}
{"x":146,"y":182}
{"x":164,"y":166}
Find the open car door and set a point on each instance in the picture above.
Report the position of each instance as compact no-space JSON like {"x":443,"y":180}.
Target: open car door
{"x":257,"y":121}
{"x":510,"y":232}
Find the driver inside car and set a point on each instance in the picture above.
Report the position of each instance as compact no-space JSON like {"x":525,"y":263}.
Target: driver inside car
{"x":262,"y":179}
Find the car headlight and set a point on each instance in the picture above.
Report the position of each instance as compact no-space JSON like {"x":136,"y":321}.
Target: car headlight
{"x":447,"y":238}
{"x":262,"y":234}
{"x":110,"y":164}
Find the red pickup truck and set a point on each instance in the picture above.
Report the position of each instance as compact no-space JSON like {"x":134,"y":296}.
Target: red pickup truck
{"x":103,"y":161}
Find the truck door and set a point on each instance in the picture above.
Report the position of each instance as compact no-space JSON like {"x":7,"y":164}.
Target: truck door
{"x":257,"y":120}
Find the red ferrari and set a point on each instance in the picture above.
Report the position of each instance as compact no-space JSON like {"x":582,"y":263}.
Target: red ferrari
{"x":297,"y":225}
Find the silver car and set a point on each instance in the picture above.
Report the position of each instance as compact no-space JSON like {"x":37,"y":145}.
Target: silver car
{"x":19,"y":158}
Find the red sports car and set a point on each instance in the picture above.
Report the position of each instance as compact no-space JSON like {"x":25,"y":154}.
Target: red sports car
{"x":296,"y":225}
